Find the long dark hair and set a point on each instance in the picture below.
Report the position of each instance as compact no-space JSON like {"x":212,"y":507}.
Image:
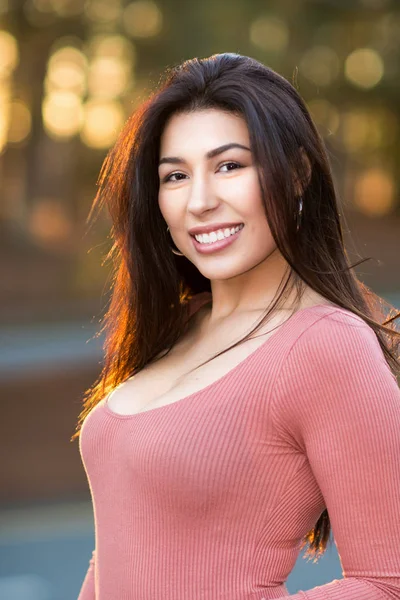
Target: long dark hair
{"x":151,"y":286}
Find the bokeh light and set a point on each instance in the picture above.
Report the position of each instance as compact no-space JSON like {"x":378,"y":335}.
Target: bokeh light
{"x":368,"y":129}
{"x":67,"y":71}
{"x":49,"y":222}
{"x":103,"y":11}
{"x":102,"y":123}
{"x":9,"y":55}
{"x":115,"y":46}
{"x":68,"y":8}
{"x":142,"y":19}
{"x":43,"y":5}
{"x":5,"y":100}
{"x":325,"y":115}
{"x":270,"y":34}
{"x":374,"y":192}
{"x":355,"y":127}
{"x":320,"y":64}
{"x":20,"y":122}
{"x":108,"y":77}
{"x":364,"y":68}
{"x":62,"y":114}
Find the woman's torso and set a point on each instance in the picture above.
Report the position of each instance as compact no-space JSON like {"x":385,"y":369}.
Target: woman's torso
{"x":169,"y":378}
{"x":198,"y":497}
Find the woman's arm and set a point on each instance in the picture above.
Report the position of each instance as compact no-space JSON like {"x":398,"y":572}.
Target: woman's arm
{"x":337,"y":401}
{"x":87,"y":591}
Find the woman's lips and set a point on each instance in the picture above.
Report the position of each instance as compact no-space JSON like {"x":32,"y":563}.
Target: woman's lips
{"x":215,"y":246}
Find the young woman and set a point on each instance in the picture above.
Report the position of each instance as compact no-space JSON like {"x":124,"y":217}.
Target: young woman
{"x":213,"y":454}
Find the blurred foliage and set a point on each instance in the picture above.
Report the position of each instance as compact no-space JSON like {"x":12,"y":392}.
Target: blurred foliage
{"x":72,"y":71}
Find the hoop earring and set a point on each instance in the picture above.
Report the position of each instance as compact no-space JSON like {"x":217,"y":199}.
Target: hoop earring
{"x":299,"y":213}
{"x":175,"y":251}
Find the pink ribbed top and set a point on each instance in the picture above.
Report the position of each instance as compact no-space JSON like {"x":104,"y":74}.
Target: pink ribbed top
{"x":209,"y":498}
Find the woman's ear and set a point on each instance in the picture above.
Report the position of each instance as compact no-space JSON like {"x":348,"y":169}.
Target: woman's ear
{"x":303,"y":172}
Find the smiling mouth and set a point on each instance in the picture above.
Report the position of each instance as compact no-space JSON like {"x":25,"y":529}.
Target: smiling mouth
{"x":217,"y":235}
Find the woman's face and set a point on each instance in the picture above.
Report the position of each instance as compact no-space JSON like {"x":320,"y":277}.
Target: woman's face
{"x":221,"y":190}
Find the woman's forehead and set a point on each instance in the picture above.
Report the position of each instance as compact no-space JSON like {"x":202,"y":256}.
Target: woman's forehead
{"x":206,"y":128}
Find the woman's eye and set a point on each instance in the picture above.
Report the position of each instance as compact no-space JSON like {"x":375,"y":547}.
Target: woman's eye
{"x":230,"y":163}
{"x":168,"y":178}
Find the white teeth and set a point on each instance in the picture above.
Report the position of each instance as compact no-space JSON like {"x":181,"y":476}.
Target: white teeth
{"x":220,"y":234}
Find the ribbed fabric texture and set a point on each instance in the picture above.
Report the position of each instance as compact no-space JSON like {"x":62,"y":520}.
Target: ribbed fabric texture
{"x":209,"y":498}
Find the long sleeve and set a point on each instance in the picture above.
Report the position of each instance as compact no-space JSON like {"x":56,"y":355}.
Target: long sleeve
{"x":337,"y":401}
{"x":87,"y":591}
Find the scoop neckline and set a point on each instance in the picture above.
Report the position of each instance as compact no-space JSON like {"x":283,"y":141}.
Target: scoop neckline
{"x":230,"y":373}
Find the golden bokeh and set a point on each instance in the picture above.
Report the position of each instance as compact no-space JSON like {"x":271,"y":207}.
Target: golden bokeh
{"x":108,"y":77}
{"x":49,"y":222}
{"x":374,"y":192}
{"x":66,"y":70}
{"x":66,"y":54}
{"x":43,"y":5}
{"x":103,"y":11}
{"x":142,"y":19}
{"x":320,"y":64}
{"x":102,"y":123}
{"x":364,"y":68}
{"x":62,"y":114}
{"x":20,"y":122}
{"x":9,"y":54}
{"x":5,"y":97}
{"x":66,"y":76}
{"x":325,"y":115}
{"x":68,"y":8}
{"x":368,"y":129}
{"x":112,"y":46}
{"x":270,"y":34}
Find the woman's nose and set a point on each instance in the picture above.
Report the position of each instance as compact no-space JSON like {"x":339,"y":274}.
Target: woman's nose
{"x":201,"y":196}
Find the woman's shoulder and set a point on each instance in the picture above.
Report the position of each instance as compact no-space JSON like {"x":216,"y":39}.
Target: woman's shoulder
{"x":335,"y":317}
{"x":333,"y":331}
{"x":326,"y":314}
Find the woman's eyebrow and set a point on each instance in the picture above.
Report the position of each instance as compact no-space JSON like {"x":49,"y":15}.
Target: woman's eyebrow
{"x":210,"y":154}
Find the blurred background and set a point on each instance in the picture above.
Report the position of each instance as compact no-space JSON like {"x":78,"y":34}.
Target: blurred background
{"x":71,"y":71}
